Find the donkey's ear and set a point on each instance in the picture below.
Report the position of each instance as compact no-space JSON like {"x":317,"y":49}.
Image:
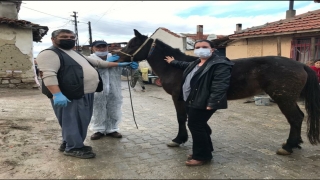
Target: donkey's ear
{"x":137,"y":33}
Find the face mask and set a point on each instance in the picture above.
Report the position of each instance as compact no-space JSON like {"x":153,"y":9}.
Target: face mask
{"x":66,"y":44}
{"x":101,"y":54}
{"x":203,"y":52}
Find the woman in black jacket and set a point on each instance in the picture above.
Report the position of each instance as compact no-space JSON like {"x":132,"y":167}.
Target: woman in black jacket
{"x":204,"y":87}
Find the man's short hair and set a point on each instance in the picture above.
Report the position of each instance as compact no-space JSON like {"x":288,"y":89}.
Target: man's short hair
{"x":57,"y":32}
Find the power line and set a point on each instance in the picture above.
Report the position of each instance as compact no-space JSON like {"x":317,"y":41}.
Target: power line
{"x":63,"y":25}
{"x":45,"y":13}
{"x":50,"y":14}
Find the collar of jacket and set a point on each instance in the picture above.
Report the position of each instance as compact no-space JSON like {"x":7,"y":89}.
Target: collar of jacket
{"x":214,"y":59}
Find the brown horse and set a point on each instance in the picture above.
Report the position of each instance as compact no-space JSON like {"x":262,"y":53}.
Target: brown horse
{"x":283,"y":79}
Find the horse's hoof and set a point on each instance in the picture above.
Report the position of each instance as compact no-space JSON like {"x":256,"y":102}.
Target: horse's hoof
{"x":283,"y":152}
{"x":173,"y":144}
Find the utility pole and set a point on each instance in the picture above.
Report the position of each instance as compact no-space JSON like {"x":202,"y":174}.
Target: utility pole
{"x":90,"y":35}
{"x":76,"y":29}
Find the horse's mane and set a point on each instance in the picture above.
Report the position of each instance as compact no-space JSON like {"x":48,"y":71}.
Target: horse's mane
{"x":175,"y":52}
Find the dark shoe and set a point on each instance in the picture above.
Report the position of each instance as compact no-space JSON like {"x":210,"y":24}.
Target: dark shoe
{"x":115,"y":135}
{"x":194,"y":162}
{"x":96,"y":136}
{"x":62,"y":146}
{"x":80,"y":153}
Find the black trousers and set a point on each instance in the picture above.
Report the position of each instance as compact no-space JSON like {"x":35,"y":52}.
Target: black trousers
{"x":200,"y":131}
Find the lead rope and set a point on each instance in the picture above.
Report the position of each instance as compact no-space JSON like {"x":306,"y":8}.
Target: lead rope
{"x":127,"y":68}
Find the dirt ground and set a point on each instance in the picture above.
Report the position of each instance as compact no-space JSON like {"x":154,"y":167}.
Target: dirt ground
{"x":27,"y":135}
{"x":245,"y":138}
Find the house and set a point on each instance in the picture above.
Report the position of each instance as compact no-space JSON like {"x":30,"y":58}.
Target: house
{"x":185,"y":41}
{"x":86,"y":49}
{"x":296,"y":37}
{"x":16,"y":47}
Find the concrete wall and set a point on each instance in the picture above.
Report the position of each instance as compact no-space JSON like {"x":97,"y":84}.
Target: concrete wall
{"x":189,"y":52}
{"x":169,"y":39}
{"x":16,"y":57}
{"x":260,"y":46}
{"x":8,"y":10}
{"x":237,"y":49}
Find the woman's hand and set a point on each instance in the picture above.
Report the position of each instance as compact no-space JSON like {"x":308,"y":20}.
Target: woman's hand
{"x":169,"y":59}
{"x":209,"y":108}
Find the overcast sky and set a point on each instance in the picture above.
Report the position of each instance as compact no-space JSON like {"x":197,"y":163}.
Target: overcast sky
{"x":114,"y":21}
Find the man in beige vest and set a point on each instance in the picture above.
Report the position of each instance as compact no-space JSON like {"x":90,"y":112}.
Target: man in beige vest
{"x":80,"y":78}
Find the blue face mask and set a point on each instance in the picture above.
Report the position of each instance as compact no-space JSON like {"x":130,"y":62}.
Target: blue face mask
{"x":203,"y":52}
{"x":101,"y":54}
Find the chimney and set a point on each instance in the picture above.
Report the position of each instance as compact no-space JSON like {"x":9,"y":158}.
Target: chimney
{"x":10,"y":9}
{"x":291,"y":12}
{"x":238,"y":27}
{"x":199,"y":32}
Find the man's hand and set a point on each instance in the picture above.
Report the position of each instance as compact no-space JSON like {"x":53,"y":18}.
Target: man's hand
{"x":60,"y":100}
{"x":134,"y":65}
{"x":113,"y":58}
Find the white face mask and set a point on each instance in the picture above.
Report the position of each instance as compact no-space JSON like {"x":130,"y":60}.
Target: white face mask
{"x":203,"y":52}
{"x":101,"y":54}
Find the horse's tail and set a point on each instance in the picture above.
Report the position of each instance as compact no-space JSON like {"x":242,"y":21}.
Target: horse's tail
{"x":311,"y":92}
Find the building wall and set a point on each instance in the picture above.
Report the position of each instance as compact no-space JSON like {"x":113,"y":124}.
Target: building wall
{"x":237,"y":49}
{"x":260,"y":46}
{"x":175,"y":42}
{"x":8,"y":10}
{"x":189,"y":52}
{"x":16,"y":67}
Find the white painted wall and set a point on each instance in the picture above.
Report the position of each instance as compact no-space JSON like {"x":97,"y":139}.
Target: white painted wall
{"x":17,"y":58}
{"x":8,"y":10}
{"x":169,"y":39}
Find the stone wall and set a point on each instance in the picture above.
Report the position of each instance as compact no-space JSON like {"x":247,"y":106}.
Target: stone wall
{"x":16,"y":67}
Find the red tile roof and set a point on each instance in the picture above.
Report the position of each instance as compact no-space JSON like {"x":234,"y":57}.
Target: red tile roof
{"x":309,"y":21}
{"x":37,"y":30}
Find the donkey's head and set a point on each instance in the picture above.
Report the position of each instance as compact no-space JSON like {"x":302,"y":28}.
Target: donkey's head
{"x":137,"y":49}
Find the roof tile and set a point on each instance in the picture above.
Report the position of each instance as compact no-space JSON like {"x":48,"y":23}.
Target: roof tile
{"x":306,"y":21}
{"x":37,"y":30}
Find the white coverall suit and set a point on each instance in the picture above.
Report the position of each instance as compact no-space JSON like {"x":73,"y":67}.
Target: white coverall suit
{"x":107,"y":103}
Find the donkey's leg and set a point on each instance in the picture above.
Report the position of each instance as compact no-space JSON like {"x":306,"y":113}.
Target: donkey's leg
{"x":295,"y":118}
{"x":182,"y":136}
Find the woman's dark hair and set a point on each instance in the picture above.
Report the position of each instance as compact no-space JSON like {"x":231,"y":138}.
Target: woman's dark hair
{"x":203,"y":40}
{"x":316,"y":60}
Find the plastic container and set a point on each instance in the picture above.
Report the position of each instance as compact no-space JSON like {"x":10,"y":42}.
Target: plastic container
{"x":262,"y":100}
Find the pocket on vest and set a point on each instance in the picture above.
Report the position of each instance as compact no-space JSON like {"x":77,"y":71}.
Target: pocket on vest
{"x":72,"y":91}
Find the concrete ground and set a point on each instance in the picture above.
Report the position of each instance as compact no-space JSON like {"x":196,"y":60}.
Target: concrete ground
{"x":245,"y":138}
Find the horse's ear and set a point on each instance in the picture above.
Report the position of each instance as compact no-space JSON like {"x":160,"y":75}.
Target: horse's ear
{"x":137,"y":33}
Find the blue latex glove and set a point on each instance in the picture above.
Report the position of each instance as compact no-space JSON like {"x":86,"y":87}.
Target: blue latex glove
{"x":60,"y":100}
{"x":123,"y":64}
{"x":134,"y":65}
{"x":113,"y":58}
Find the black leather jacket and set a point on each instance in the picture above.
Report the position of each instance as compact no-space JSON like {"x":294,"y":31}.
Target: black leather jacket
{"x":209,"y":84}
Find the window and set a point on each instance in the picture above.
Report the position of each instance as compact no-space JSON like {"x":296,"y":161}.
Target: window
{"x":301,"y":49}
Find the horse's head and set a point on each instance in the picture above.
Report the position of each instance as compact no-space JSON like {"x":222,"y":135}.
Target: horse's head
{"x":137,"y":49}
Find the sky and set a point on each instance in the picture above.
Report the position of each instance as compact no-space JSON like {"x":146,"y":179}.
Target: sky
{"x":114,"y":21}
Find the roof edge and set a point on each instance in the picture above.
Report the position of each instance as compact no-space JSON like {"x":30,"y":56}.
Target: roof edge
{"x":275,"y":34}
